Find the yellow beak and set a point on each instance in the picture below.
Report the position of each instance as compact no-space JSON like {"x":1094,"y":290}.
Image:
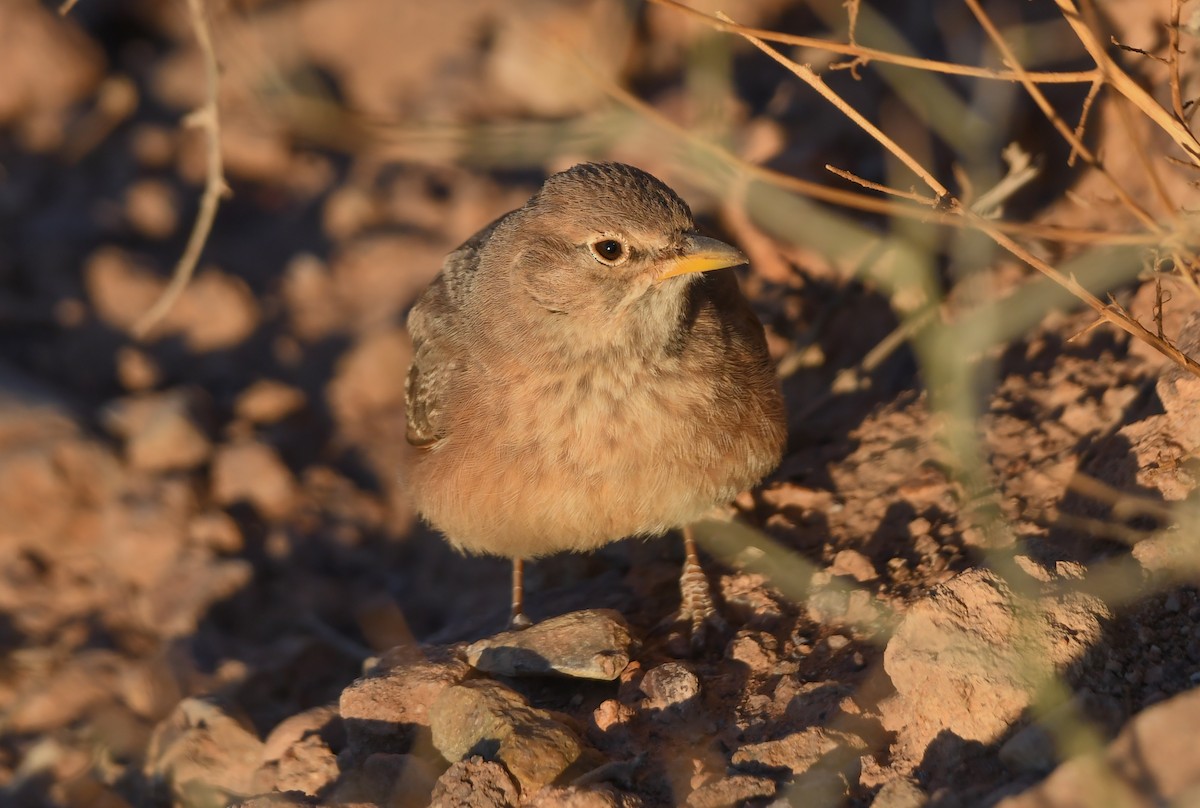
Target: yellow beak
{"x":700,"y":255}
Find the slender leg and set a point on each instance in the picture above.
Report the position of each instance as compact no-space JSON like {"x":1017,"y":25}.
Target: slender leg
{"x":518,"y":619}
{"x":696,"y":608}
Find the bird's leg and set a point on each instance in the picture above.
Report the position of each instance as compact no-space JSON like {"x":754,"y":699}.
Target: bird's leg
{"x":518,"y":620}
{"x":696,"y":609}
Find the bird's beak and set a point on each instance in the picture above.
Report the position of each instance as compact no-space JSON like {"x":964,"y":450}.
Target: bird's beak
{"x":701,"y":254}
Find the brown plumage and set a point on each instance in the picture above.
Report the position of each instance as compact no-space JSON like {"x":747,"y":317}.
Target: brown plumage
{"x":576,"y":379}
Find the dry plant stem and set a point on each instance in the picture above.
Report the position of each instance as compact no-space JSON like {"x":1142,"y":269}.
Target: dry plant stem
{"x":1108,"y":312}
{"x":1186,"y":269}
{"x":207,"y":119}
{"x":1093,"y":92}
{"x":1126,"y":86}
{"x":1039,"y":98}
{"x":911,"y":196}
{"x":806,"y":74}
{"x":850,"y":199}
{"x":1139,"y":149}
{"x":1173,"y":53}
{"x":865,"y":54}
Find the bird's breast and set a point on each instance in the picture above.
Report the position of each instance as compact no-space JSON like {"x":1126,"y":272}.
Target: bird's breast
{"x":556,"y":455}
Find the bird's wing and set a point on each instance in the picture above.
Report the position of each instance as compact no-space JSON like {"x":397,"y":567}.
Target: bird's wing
{"x":437,"y":357}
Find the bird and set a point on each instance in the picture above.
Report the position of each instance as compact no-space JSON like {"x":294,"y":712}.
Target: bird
{"x":582,"y":373}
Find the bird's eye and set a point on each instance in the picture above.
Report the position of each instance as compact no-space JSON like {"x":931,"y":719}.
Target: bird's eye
{"x":609,"y":251}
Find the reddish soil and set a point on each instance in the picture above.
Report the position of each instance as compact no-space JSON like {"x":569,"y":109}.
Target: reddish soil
{"x":212,"y":587}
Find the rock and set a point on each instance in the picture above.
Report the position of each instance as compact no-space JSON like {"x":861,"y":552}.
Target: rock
{"x":592,"y":644}
{"x":185,"y":593}
{"x":201,"y":750}
{"x":50,"y":65}
{"x":308,"y":766}
{"x":215,"y":312}
{"x":754,"y":649}
{"x":120,"y":290}
{"x":900,"y":793}
{"x":293,"y":729}
{"x":535,"y":59}
{"x":397,"y":781}
{"x":582,"y":797}
{"x":136,"y":371}
{"x":278,"y":799}
{"x":485,"y":718}
{"x":61,"y":696}
{"x":151,"y":208}
{"x":253,"y":473}
{"x":160,"y":431}
{"x":1153,"y":761}
{"x":1179,"y":390}
{"x":729,"y":791}
{"x":216,"y":531}
{"x":828,"y":749}
{"x":670,"y":686}
{"x":370,"y":376}
{"x":310,"y":295}
{"x":966,"y":660}
{"x":267,"y":402}
{"x":1033,"y":748}
{"x":475,"y":783}
{"x":386,"y":709}
{"x":369,"y":287}
{"x":855,"y":564}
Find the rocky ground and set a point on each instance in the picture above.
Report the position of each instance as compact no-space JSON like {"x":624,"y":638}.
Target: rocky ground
{"x":214,"y":592}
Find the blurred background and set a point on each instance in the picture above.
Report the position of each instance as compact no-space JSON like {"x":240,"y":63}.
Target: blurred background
{"x":213,"y":502}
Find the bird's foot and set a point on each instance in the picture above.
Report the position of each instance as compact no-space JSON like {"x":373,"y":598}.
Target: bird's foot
{"x":518,"y":621}
{"x":697,"y":626}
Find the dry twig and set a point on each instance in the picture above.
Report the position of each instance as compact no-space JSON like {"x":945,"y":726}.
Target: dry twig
{"x":205,"y":118}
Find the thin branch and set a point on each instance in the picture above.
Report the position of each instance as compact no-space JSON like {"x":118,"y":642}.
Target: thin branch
{"x":1173,"y":53}
{"x":1109,"y":312}
{"x":838,"y":196}
{"x":1123,"y":83}
{"x":809,"y":77}
{"x":1035,"y":92}
{"x":911,"y":196}
{"x":1093,"y":92}
{"x":865,"y":54}
{"x":205,"y":118}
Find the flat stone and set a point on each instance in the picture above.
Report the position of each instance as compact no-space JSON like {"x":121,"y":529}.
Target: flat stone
{"x":592,"y":644}
{"x":268,"y":401}
{"x":733,"y":790}
{"x":485,"y":718}
{"x":900,"y":793}
{"x":801,"y":751}
{"x":386,"y":709}
{"x":160,"y":431}
{"x":203,"y":749}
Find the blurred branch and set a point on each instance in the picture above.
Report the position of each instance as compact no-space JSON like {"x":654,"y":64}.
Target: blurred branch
{"x":865,"y":54}
{"x":205,"y":118}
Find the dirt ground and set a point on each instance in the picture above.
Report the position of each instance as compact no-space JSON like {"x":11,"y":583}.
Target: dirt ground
{"x":214,"y":592}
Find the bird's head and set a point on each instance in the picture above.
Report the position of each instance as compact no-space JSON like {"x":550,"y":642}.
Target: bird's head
{"x":603,"y":242}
